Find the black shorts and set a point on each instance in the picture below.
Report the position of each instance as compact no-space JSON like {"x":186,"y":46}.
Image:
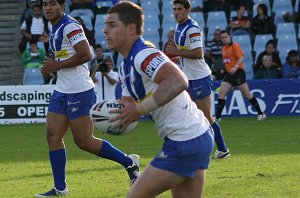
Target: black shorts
{"x":238,"y":78}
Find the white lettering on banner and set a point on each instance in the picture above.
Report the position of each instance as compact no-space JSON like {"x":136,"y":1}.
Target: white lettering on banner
{"x":2,"y":112}
{"x":237,"y":103}
{"x":286,"y":100}
{"x":32,"y":111}
{"x":35,"y":94}
{"x":24,"y":104}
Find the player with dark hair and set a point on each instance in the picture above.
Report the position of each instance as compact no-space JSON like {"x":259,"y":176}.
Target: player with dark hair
{"x":73,"y":98}
{"x":153,"y":84}
{"x":189,"y":47}
{"x":235,"y":75}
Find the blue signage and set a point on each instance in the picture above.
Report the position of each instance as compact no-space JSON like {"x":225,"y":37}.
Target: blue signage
{"x":277,"y":97}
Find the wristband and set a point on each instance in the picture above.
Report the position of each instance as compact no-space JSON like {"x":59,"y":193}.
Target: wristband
{"x":146,"y":106}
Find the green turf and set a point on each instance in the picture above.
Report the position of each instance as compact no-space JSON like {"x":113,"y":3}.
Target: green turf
{"x":264,"y":162}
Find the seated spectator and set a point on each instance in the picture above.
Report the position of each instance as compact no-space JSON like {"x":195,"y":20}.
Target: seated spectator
{"x":291,"y":68}
{"x":35,"y":27}
{"x":270,"y":50}
{"x":213,"y":55}
{"x":33,"y":57}
{"x":262,"y":23}
{"x":267,"y":70}
{"x":240,"y":24}
{"x":89,"y":34}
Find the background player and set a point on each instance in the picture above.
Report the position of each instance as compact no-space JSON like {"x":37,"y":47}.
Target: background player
{"x":188,"y":39}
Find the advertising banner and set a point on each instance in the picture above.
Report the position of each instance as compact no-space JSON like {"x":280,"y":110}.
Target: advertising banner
{"x":24,"y":104}
{"x":279,"y":97}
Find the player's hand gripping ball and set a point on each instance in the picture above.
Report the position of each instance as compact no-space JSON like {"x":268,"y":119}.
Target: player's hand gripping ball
{"x":100,"y":116}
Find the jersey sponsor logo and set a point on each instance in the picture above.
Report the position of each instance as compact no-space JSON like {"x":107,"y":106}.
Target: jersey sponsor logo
{"x":72,"y":36}
{"x":150,"y":64}
{"x":194,"y":37}
{"x":226,"y":60}
{"x":61,"y":54}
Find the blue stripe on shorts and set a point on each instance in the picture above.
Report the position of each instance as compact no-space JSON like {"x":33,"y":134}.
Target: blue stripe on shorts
{"x":73,"y":105}
{"x":185,"y":157}
{"x":199,"y":89}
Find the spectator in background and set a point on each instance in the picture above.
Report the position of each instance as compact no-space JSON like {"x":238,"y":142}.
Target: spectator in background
{"x":267,"y":70}
{"x":88,"y":33}
{"x":35,"y":27}
{"x":33,"y":57}
{"x":262,"y":23}
{"x":240,"y":24}
{"x":98,"y":59}
{"x":213,"y":55}
{"x":291,"y":68}
{"x":105,"y":80}
{"x":28,"y":9}
{"x":270,"y":50}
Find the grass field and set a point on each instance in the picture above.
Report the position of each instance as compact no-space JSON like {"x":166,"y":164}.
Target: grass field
{"x":265,"y":161}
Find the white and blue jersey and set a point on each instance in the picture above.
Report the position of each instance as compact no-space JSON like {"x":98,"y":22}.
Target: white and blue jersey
{"x":63,"y":36}
{"x":179,"y":120}
{"x":188,"y":36}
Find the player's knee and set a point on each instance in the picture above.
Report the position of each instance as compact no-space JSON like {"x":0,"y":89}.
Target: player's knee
{"x":52,"y":136}
{"x":82,"y":143}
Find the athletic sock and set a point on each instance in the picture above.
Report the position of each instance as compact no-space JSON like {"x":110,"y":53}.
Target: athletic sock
{"x":255,"y":104}
{"x":108,"y":151}
{"x":220,"y":107}
{"x":58,"y":160}
{"x":219,"y":137}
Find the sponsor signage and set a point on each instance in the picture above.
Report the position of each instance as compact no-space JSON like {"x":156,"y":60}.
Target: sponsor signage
{"x":277,"y":97}
{"x":280,"y":97}
{"x":24,"y":104}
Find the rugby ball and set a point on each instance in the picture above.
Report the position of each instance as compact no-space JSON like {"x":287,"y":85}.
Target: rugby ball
{"x":100,"y":115}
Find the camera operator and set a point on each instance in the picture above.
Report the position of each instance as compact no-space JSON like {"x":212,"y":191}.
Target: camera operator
{"x":98,"y":59}
{"x":105,"y":80}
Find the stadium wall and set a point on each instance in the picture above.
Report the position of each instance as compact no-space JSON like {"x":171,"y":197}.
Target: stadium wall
{"x":279,"y":97}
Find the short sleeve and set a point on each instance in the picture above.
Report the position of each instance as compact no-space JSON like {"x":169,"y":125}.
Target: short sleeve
{"x":195,"y":37}
{"x":237,"y":50}
{"x":148,"y":61}
{"x":74,"y":33}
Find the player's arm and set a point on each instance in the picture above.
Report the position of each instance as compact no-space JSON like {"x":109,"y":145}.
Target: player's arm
{"x":196,"y":53}
{"x":171,"y":83}
{"x":83,"y":55}
{"x":195,"y":49}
